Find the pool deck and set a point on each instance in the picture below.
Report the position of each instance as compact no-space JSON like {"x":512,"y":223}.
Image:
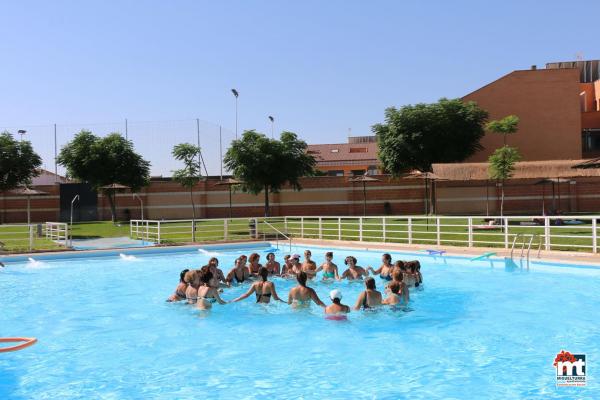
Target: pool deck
{"x":465,"y":252}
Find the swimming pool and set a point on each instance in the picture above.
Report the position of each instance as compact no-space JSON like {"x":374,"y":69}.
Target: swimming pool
{"x":478,"y":330}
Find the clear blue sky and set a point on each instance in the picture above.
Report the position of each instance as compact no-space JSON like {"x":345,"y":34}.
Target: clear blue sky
{"x":319,"y":67}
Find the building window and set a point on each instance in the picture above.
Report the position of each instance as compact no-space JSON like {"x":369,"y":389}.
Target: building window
{"x":359,"y":149}
{"x":335,"y":150}
{"x":335,"y":173}
{"x":590,"y":140}
{"x":372,"y":170}
{"x":357,"y":172}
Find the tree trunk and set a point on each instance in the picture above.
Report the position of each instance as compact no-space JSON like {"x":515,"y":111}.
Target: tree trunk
{"x":193,"y":214}
{"x":113,"y":208}
{"x":502,"y":200}
{"x":266,"y":200}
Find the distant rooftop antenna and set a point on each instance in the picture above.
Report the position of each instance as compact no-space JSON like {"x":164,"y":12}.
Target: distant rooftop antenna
{"x":579,"y":56}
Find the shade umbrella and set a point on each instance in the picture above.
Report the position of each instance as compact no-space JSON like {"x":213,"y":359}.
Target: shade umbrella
{"x":111,"y":188}
{"x":364,"y":179}
{"x":25,"y":191}
{"x":426,"y":177}
{"x":229,"y":182}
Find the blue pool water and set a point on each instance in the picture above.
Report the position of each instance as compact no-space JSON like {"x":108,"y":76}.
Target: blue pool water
{"x":478,"y":330}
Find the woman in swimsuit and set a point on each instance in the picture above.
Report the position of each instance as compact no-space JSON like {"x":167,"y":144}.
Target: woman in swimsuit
{"x":287,"y":265}
{"x":394,"y":297}
{"x":180,"y":289}
{"x":218,"y":277}
{"x":193,"y":283}
{"x":263,"y":289}
{"x":397,"y":278}
{"x":385,"y":270}
{"x":302,"y":295}
{"x":370,"y":297}
{"x":294,"y":267}
{"x":272,"y":266}
{"x":410,"y":278}
{"x":330,"y":270}
{"x":254,"y":265}
{"x":239,"y":273}
{"x":207,"y":295}
{"x":337,"y":307}
{"x":309,"y":266}
{"x":354,"y":271}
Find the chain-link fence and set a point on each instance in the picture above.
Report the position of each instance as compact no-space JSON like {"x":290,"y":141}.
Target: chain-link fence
{"x":154,"y":140}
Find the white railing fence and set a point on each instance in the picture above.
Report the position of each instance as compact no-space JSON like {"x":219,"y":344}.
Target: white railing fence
{"x":577,"y":233}
{"x":58,"y":232}
{"x":17,"y":236}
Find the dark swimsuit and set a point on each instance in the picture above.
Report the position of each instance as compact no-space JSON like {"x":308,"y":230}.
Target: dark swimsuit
{"x":181,"y":296}
{"x":238,"y":280}
{"x":385,"y":277}
{"x":260,"y":296}
{"x":364,"y":303}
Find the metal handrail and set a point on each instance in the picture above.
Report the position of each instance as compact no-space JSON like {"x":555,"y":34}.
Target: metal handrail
{"x":512,"y":248}
{"x":281,"y":233}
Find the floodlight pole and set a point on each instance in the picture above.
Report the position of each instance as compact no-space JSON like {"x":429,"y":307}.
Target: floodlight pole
{"x":134,"y":195}
{"x":236,"y":94}
{"x":76,"y":198}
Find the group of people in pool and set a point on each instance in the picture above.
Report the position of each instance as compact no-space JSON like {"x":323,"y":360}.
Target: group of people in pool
{"x":202,"y":287}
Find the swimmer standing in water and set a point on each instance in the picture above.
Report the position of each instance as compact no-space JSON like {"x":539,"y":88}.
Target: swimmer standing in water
{"x":239,"y":273}
{"x":337,"y":307}
{"x":264,"y":289}
{"x":370,"y":297}
{"x":353,"y":272}
{"x":207,"y":295}
{"x":330,"y":270}
{"x":180,"y":289}
{"x":385,"y":270}
{"x":309,"y":266}
{"x":302,"y":295}
{"x":272,"y":266}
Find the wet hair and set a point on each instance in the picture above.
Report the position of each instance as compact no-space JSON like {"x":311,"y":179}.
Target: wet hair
{"x":350,"y":257}
{"x":271,"y":254}
{"x":370,"y":283}
{"x":399,"y":264}
{"x":413,"y":266}
{"x":190,"y":276}
{"x":264,"y":273}
{"x":397,"y":275}
{"x":286,"y":257}
{"x":395,"y":287}
{"x":301,"y":278}
{"x":213,"y":259}
{"x":336,"y":301}
{"x":329,"y":254}
{"x":253,"y":256}
{"x":387,"y":256}
{"x":308,"y":252}
{"x":205,"y":275}
{"x":417,"y":265}
{"x":182,"y":275}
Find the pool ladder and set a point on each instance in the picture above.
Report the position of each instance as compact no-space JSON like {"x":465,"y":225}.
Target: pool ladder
{"x":532,"y":237}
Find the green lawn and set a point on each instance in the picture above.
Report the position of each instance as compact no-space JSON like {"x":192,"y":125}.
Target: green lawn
{"x":424,"y":231}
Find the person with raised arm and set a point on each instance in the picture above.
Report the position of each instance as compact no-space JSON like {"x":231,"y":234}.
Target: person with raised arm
{"x":385,"y":270}
{"x":264,"y":289}
{"x":302,"y":295}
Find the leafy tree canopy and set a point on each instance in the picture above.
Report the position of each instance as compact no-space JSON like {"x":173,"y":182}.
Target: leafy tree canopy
{"x":19,"y":163}
{"x":189,"y":175}
{"x":101,"y":161}
{"x":502,"y":162}
{"x":504,"y":126}
{"x":267,"y":164}
{"x":417,"y":136}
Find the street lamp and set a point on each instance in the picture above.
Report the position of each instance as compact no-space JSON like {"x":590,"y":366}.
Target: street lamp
{"x":134,"y":195}
{"x":22,"y":132}
{"x":236,"y":94}
{"x":272,"y":126}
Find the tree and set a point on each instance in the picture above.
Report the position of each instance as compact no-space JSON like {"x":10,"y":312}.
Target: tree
{"x":502,"y":166}
{"x":416,"y":136}
{"x":189,"y":175}
{"x":267,"y":164}
{"x":505,"y":126}
{"x":104,"y":161}
{"x":19,"y":163}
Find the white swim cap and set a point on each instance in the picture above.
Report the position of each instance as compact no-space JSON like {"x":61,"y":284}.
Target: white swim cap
{"x":335,"y":294}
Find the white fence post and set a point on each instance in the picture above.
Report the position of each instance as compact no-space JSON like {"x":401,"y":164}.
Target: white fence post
{"x":30,"y":237}
{"x":470,"y":221}
{"x":360,"y":229}
{"x":339,"y":228}
{"x":438,"y":233}
{"x":320,"y":227}
{"x":383,"y":227}
{"x":225,"y":226}
{"x":158,"y":232}
{"x":594,"y":236}
{"x":505,"y":232}
{"x":301,"y":227}
{"x":409,"y":227}
{"x":285,"y":224}
{"x":547,"y":233}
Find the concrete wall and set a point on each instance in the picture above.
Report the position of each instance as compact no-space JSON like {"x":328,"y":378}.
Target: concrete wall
{"x":548,"y":105}
{"x":324,"y":196}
